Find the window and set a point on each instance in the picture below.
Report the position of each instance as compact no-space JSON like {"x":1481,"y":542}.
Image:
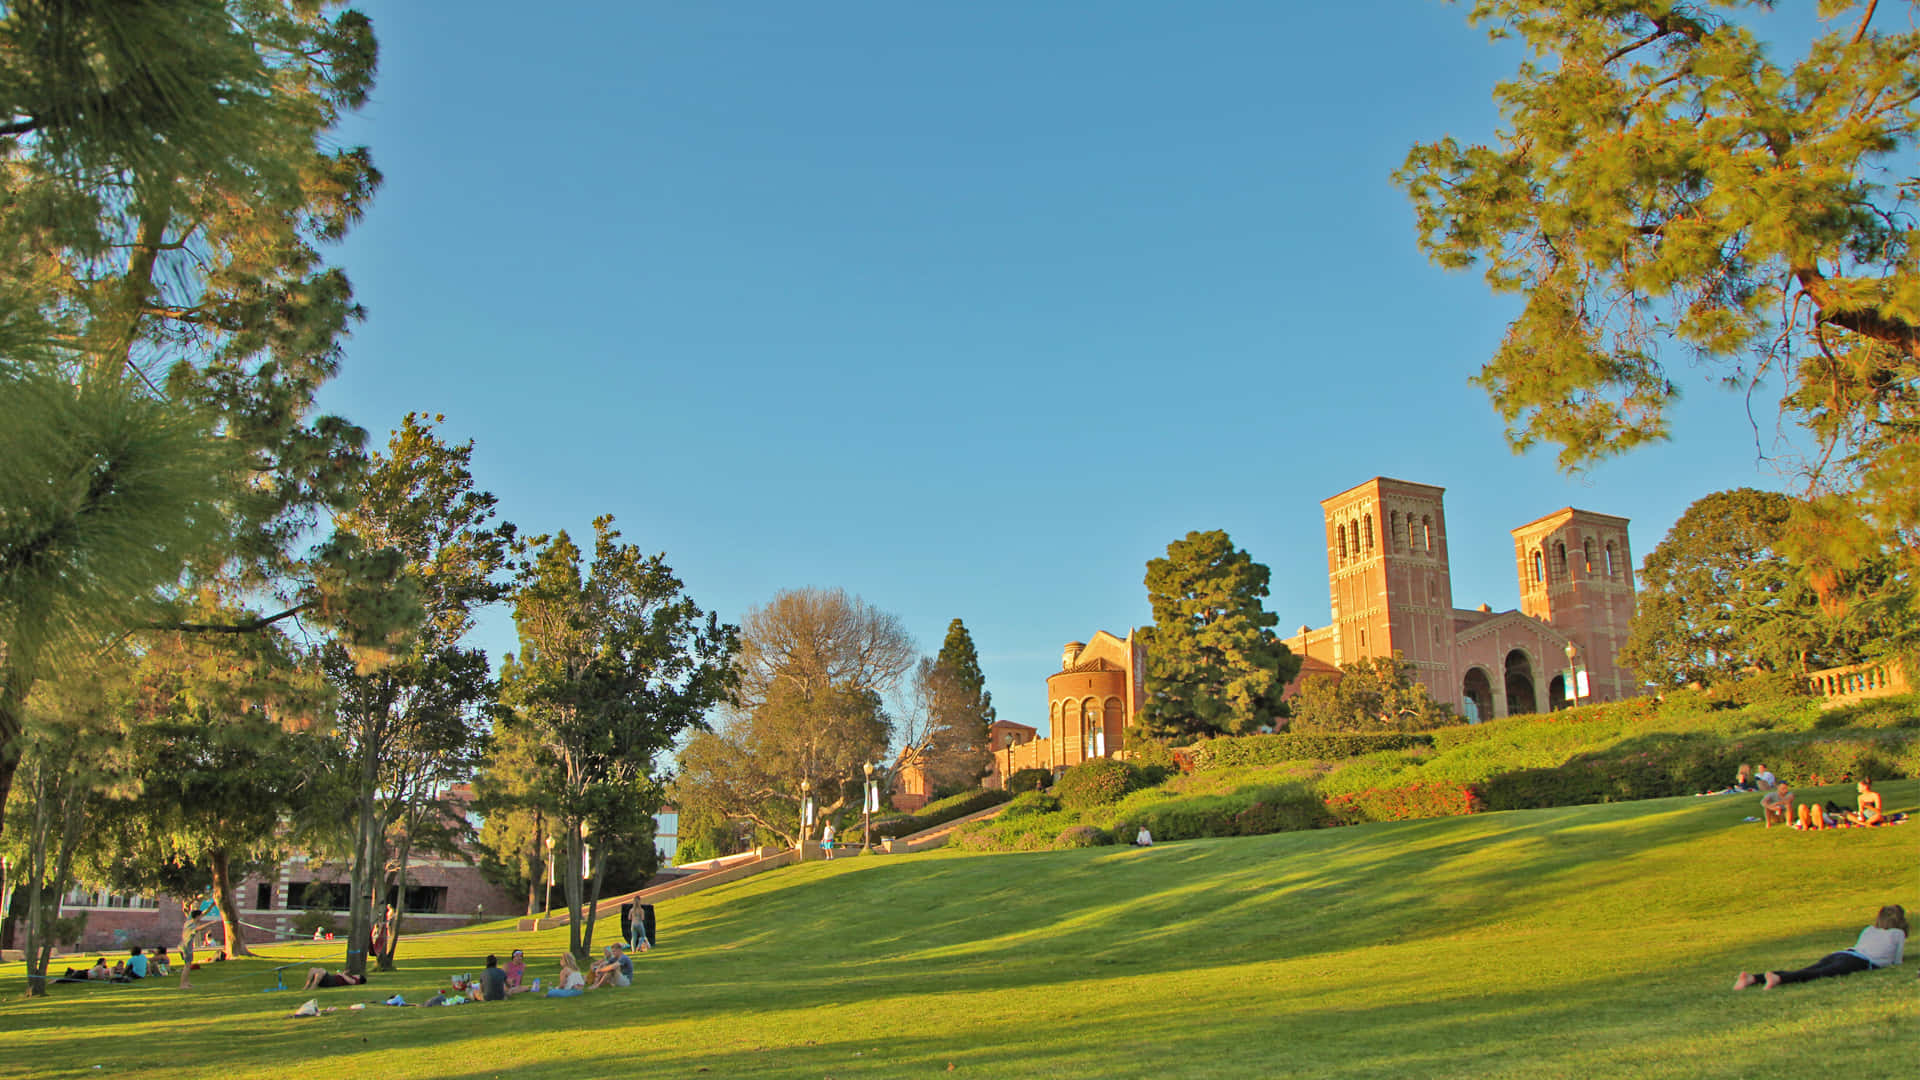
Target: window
{"x":1539,"y":567}
{"x":1426,"y":533}
{"x":1340,"y":534}
{"x":1366,"y":526}
{"x":1613,"y":572}
{"x":1394,"y":536}
{"x":426,"y":899}
{"x":1586,"y":549}
{"x":263,"y":897}
{"x":1560,"y":560}
{"x":331,"y":895}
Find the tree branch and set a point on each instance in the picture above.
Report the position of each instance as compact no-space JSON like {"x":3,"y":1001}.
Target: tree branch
{"x":1861,"y":32}
{"x":1897,"y":333}
{"x":247,"y":627}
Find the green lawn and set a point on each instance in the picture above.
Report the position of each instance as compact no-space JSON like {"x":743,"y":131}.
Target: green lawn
{"x":1587,"y":941}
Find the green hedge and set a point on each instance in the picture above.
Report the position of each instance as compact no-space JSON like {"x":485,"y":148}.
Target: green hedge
{"x":1029,"y":780}
{"x":1249,"y":811}
{"x":939,"y":813}
{"x":1099,"y":782}
{"x":1082,"y":836}
{"x":1232,"y":751}
{"x":1657,"y":766}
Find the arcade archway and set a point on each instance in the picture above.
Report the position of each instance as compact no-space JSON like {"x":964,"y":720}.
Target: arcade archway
{"x":1519,"y":679}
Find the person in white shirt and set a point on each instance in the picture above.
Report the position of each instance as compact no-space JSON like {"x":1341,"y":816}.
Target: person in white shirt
{"x":1881,"y":945}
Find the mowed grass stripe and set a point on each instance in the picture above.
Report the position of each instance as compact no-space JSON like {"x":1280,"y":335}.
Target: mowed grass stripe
{"x":1583,"y":941}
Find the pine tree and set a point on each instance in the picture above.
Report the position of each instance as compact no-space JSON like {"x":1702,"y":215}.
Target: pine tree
{"x":1214,"y":665}
{"x":962,"y":662}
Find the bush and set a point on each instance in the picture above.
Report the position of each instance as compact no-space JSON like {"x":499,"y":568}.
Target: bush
{"x":1248,"y":811}
{"x":1096,"y":783}
{"x":1029,"y":803}
{"x":1029,"y":780}
{"x":305,"y":923}
{"x":1240,"y":750}
{"x":1421,"y":799}
{"x":939,"y":813}
{"x":1154,"y":760}
{"x":1023,"y":832}
{"x":1758,"y":688}
{"x":1082,"y":836}
{"x":1279,"y":815}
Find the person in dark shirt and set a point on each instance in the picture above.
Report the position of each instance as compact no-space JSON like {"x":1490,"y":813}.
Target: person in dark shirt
{"x":322,"y":979}
{"x":493,"y":981}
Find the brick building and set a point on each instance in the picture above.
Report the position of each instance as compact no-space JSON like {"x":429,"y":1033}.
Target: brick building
{"x":1391,"y":590}
{"x":1390,"y":584}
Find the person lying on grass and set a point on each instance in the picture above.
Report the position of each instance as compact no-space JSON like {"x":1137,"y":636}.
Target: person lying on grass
{"x":1880,"y":945}
{"x":615,"y":967}
{"x":322,"y":979}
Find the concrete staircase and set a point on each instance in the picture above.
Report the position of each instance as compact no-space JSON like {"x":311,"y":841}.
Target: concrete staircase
{"x":733,"y":868}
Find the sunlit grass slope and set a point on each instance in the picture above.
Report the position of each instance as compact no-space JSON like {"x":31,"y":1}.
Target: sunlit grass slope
{"x":1588,"y":941}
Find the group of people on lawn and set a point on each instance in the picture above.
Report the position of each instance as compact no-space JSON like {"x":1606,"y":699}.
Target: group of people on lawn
{"x":138,"y":965}
{"x":1776,"y":806}
{"x":498,"y":983}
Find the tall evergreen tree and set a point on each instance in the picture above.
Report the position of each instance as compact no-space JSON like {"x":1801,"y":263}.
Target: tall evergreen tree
{"x":166,"y":317}
{"x":1214,"y":665}
{"x":1666,"y":185}
{"x":962,"y":663}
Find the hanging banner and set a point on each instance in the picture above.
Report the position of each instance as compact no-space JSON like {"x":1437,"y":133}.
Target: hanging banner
{"x":806,"y":812}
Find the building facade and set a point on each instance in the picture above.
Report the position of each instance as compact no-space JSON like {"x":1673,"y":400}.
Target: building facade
{"x":1090,"y":702}
{"x":1390,"y":589}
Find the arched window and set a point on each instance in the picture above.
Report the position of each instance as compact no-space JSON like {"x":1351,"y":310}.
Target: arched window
{"x":1586,"y":549}
{"x":1539,"y":566}
{"x":1340,"y":534}
{"x":1394,"y":537}
{"x":1560,"y":560}
{"x":1366,"y":529}
{"x":1613,"y":570}
{"x":1426,"y":533}
{"x":1353,"y":537}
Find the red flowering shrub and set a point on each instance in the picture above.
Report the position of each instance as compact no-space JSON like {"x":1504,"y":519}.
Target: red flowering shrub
{"x":1421,"y":799}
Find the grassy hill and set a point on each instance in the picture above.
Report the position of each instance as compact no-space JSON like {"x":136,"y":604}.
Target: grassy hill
{"x":1586,"y":941}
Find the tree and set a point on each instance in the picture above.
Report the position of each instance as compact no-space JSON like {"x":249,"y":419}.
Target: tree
{"x":1720,"y":597}
{"x":166,"y":318}
{"x":815,"y":666}
{"x":1214,"y":665}
{"x":411,"y":721}
{"x":943,"y":732}
{"x":514,"y":795}
{"x":957,"y":656}
{"x":1378,"y":693}
{"x":1661,"y":184}
{"x":614,"y":665}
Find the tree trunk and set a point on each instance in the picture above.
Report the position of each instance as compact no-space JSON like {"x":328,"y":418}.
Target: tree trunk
{"x":15,"y":681}
{"x":570,"y":887}
{"x":217,"y":861}
{"x":400,"y":900}
{"x":368,"y":865}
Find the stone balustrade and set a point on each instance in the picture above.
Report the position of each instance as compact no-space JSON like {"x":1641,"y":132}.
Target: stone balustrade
{"x":1858,"y":682}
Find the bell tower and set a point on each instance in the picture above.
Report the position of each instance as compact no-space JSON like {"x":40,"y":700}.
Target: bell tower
{"x":1576,"y":575}
{"x":1388,"y":577}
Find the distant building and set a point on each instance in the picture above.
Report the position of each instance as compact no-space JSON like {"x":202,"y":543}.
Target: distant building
{"x":1391,"y":588}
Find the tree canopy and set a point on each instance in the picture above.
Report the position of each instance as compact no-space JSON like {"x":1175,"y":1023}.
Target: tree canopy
{"x":1376,"y":693}
{"x":1664,"y":190}
{"x":1214,"y":664}
{"x":1719,"y":597}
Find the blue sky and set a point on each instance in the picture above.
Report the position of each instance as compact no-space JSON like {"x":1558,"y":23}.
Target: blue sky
{"x":967,"y":309}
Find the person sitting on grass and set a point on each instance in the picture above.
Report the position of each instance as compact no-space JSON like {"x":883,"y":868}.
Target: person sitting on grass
{"x":1743,"y":780}
{"x":1777,"y":805}
{"x":1869,"y":812}
{"x":161,"y":966}
{"x":615,"y":967}
{"x":493,"y":981}
{"x":321,"y":979}
{"x":572,"y":983}
{"x":1880,"y":945}
{"x":516,"y":970}
{"x":137,"y":966}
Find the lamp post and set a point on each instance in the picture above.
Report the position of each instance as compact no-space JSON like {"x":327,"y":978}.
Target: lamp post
{"x":866,"y":813}
{"x":547,"y":904}
{"x":806,"y":813}
{"x":1573,"y":672}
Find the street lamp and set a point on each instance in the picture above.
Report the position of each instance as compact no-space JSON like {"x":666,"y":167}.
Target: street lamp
{"x":806,"y":812}
{"x":1573,"y":672}
{"x":548,"y":905}
{"x":866,"y":808}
